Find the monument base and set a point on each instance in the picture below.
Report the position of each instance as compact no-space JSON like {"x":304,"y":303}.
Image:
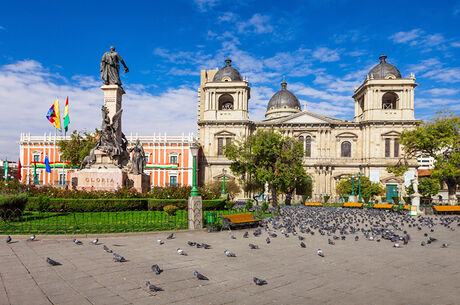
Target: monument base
{"x":99,"y":179}
{"x":195,"y":213}
{"x":140,"y":182}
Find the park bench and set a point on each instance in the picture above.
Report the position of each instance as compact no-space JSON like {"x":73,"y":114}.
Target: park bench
{"x":352,"y":204}
{"x":313,"y":204}
{"x":446,"y":208}
{"x":238,"y":219}
{"x":382,"y":206}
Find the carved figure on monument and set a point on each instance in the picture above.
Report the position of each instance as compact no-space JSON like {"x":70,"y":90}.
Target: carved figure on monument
{"x":110,"y":67}
{"x":89,"y":159}
{"x":108,"y":140}
{"x":138,"y":159}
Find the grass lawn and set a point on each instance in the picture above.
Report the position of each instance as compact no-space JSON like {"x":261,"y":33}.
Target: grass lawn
{"x":94,"y":222}
{"x":103,"y":222}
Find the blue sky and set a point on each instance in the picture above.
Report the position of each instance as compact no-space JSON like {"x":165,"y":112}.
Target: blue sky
{"x":324,"y":48}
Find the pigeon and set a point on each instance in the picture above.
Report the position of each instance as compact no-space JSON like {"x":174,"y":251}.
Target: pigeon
{"x":232,"y":236}
{"x":52,"y":262}
{"x":301,"y":237}
{"x":160,"y":242}
{"x":206,"y":246}
{"x":198,"y":245}
{"x":8,"y":239}
{"x":152,"y":287}
{"x":396,"y":245}
{"x":156,"y":269}
{"x":259,"y":282}
{"x":229,"y":254}
{"x":320,"y":252}
{"x":94,"y":242}
{"x":118,"y":258}
{"x":268,"y":240}
{"x":77,"y":242}
{"x":252,"y":246}
{"x":330,"y":242}
{"x":302,"y":244}
{"x":444,"y":245}
{"x":356,"y":238}
{"x":245,"y":235}
{"x":170,"y":236}
{"x":200,"y":276}
{"x":106,"y":249}
{"x":32,"y":238}
{"x":181,"y":252}
{"x":422,"y":244}
{"x":191,"y":243}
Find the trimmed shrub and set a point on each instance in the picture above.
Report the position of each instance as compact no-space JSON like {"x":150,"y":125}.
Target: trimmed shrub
{"x":249,"y":204}
{"x":12,"y":205}
{"x":229,"y":205}
{"x":159,"y":204}
{"x":90,"y":205}
{"x":43,"y":203}
{"x":264,"y":206}
{"x":170,"y":209}
{"x":212,"y":205}
{"x":326,"y":198}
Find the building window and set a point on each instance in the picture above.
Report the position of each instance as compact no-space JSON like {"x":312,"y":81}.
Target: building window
{"x":387,"y":148}
{"x":226,"y":102}
{"x":173,"y":159}
{"x":396,"y":148}
{"x":308,"y":146}
{"x":146,"y":159}
{"x":62,"y":180}
{"x":389,"y":100}
{"x":173,"y":180}
{"x":220,"y":146}
{"x":345,"y":149}
{"x":36,"y":158}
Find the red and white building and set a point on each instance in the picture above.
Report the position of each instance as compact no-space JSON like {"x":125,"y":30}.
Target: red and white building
{"x":168,"y":159}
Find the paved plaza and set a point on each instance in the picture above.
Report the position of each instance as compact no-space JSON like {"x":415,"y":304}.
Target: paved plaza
{"x":352,"y":272}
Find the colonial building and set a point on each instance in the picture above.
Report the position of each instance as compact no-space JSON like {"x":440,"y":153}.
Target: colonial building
{"x":168,"y":159}
{"x":334,"y":148}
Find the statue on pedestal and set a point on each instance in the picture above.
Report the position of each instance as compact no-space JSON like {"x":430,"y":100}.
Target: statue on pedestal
{"x":110,"y":67}
{"x":108,"y":142}
{"x":138,"y":159}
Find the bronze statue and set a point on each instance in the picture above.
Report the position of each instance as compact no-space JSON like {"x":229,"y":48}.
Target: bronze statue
{"x":110,"y":67}
{"x":138,"y":159}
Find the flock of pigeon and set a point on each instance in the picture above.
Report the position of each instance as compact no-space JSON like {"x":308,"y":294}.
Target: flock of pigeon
{"x":334,"y":224}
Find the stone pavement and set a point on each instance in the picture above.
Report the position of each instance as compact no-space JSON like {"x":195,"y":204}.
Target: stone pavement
{"x":362,"y":272}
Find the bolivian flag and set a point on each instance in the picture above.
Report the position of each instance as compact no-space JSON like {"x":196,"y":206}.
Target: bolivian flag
{"x":66,"y":115}
{"x":53,"y":115}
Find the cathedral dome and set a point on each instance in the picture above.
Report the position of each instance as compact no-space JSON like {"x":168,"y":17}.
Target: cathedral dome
{"x":384,"y":70}
{"x":282,"y":103}
{"x":227,"y":73}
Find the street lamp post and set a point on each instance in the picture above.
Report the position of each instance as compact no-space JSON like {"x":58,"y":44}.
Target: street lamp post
{"x":223,"y":181}
{"x":194,"y":149}
{"x":352,"y":185}
{"x":359,"y":187}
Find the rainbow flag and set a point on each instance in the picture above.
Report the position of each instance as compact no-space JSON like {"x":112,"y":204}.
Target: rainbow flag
{"x":66,"y":115}
{"x":53,"y":115}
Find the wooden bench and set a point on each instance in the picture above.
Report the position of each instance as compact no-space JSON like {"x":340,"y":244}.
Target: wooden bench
{"x":313,"y":204}
{"x":406,"y":207}
{"x":238,"y":219}
{"x":446,"y":208}
{"x":352,"y":204}
{"x":382,"y":206}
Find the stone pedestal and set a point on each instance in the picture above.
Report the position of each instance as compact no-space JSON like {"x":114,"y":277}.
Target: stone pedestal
{"x":99,"y":179}
{"x":140,"y":182}
{"x":415,"y":202}
{"x":353,"y":198}
{"x":112,"y":101}
{"x":195,"y":213}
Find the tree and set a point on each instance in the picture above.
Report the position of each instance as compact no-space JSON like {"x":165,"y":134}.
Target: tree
{"x":428,"y":186}
{"x":439,"y":139}
{"x":231,"y":187}
{"x":268,"y":157}
{"x":368,"y":188}
{"x":78,"y":147}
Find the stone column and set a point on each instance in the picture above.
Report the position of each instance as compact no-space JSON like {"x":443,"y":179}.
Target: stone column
{"x":195,"y":213}
{"x":112,"y":100}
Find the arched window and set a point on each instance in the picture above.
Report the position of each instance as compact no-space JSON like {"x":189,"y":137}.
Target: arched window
{"x":345,"y":149}
{"x":226,"y":102}
{"x":308,"y":146}
{"x":389,"y":100}
{"x":301,"y":139}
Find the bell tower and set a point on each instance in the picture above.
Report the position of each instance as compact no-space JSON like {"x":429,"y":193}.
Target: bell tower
{"x":385,"y":95}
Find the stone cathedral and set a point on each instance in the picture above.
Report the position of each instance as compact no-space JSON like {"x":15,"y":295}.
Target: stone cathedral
{"x":334,"y":148}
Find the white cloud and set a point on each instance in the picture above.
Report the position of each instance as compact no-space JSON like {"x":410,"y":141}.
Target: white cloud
{"x":425,"y":65}
{"x":258,"y":24}
{"x":441,"y":91}
{"x":204,"y":5}
{"x":455,"y":44}
{"x":326,"y":55}
{"x":437,"y":103}
{"x":27,"y":90}
{"x":448,"y":75}
{"x":227,"y":17}
{"x":403,"y":37}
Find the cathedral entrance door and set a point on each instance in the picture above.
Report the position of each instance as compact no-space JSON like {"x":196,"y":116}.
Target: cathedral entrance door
{"x":392,"y":191}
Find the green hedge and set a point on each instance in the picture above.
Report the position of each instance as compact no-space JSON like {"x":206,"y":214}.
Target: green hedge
{"x":117,"y":204}
{"x":12,"y":205}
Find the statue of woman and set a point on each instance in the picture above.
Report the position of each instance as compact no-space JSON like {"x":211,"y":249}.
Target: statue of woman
{"x":138,"y":159}
{"x":110,"y":67}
